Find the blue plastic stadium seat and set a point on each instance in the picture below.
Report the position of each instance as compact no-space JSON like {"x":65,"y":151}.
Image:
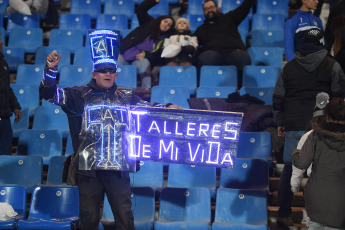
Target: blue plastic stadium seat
{"x":195,"y":7}
{"x":255,"y":145}
{"x":21,"y":170}
{"x":27,"y":95}
{"x":51,"y":118}
{"x":75,"y":21}
{"x":263,"y":93}
{"x":21,"y":125}
{"x":134,"y":22}
{"x":269,"y":56}
{"x":160,"y":9}
{"x":260,"y":76}
{"x":268,"y":38}
{"x":240,"y":209}
{"x":75,"y":75}
{"x":127,"y":76}
{"x":184,"y":208}
{"x":28,"y":39}
{"x":16,"y":20}
{"x":272,"y":7}
{"x":55,"y":167}
{"x":14,"y":56}
{"x":195,"y":20}
{"x":214,"y":92}
{"x":175,"y":95}
{"x":42,"y":52}
{"x":54,"y":207}
{"x":143,"y":207}
{"x":72,"y":39}
{"x":91,"y":8}
{"x":233,"y":4}
{"x":30,"y":74}
{"x":221,"y":76}
{"x":244,"y":25}
{"x":149,"y":175}
{"x":185,"y":76}
{"x":43,"y":143}
{"x":119,"y":7}
{"x":82,"y":56}
{"x":69,"y":146}
{"x":191,"y":176}
{"x":15,"y":195}
{"x":3,"y":6}
{"x":2,"y":34}
{"x":112,"y":21}
{"x":267,"y":21}
{"x":246,"y":174}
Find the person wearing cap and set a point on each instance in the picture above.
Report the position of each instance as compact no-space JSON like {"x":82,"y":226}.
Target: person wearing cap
{"x":325,"y":189}
{"x":322,"y":99}
{"x":100,"y":93}
{"x":143,"y":46}
{"x":220,"y":43}
{"x":180,"y":48}
{"x":311,"y":72}
{"x":296,"y":26}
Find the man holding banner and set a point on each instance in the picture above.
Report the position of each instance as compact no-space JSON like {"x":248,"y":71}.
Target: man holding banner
{"x":97,"y":138}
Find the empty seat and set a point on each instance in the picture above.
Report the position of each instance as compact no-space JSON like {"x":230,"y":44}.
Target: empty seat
{"x":14,"y":56}
{"x":21,"y":125}
{"x":112,"y":22}
{"x":21,"y":170}
{"x":240,"y":209}
{"x":42,"y":52}
{"x":179,"y":76}
{"x":255,"y":145}
{"x":119,"y":7}
{"x":268,"y":21}
{"x":52,"y":208}
{"x":75,"y":75}
{"x":82,"y":56}
{"x":263,"y":93}
{"x":91,"y":8}
{"x":16,"y":20}
{"x":221,"y":76}
{"x":75,"y":21}
{"x":30,"y":74}
{"x":3,"y":6}
{"x":246,"y":174}
{"x":28,"y":39}
{"x":195,"y":7}
{"x":15,"y":195}
{"x":260,"y":76}
{"x":195,"y":20}
{"x":72,"y":39}
{"x":233,"y":4}
{"x":268,"y":38}
{"x":184,"y":208}
{"x":127,"y":76}
{"x":191,"y":176}
{"x":55,"y":167}
{"x":27,"y":95}
{"x":160,"y":9}
{"x":43,"y":143}
{"x":214,"y":92}
{"x":269,"y":56}
{"x":272,"y":7}
{"x":174,"y":95}
{"x":143,"y":207}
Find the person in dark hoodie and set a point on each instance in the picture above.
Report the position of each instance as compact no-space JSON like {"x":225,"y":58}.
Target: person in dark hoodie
{"x":89,"y":108}
{"x":325,"y":150}
{"x":220,"y":42}
{"x":143,"y":46}
{"x":8,"y":105}
{"x":312,"y":71}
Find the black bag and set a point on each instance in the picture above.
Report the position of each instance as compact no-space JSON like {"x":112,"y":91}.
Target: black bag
{"x":69,"y":172}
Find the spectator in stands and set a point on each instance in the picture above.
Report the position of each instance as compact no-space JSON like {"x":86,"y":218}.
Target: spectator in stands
{"x":100,"y":91}
{"x":325,"y":189}
{"x":322,"y":99}
{"x":8,"y":105}
{"x":297,"y":25}
{"x":337,"y":9}
{"x":220,"y":42}
{"x":143,"y":46}
{"x":317,"y":12}
{"x":311,"y":72}
{"x":338,"y":30}
{"x":180,"y":48}
{"x":35,"y":6}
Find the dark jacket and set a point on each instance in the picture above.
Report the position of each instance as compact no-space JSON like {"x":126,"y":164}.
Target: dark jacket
{"x":298,"y":84}
{"x":337,"y":9}
{"x":325,"y":189}
{"x":142,"y":32}
{"x":8,"y":101}
{"x":223,"y":34}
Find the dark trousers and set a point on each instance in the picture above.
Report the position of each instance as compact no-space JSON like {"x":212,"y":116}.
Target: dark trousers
{"x":91,"y":196}
{"x":238,"y":58}
{"x":5,"y":136}
{"x":285,"y":195}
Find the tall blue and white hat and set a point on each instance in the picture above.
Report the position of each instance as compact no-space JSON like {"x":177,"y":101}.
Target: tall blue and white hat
{"x":105,"y":48}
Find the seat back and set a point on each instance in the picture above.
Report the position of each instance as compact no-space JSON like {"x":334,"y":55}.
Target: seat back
{"x":42,"y":52}
{"x":30,"y":74}
{"x":267,"y":21}
{"x":15,"y":195}
{"x":127,"y":76}
{"x":14,"y":56}
{"x":28,"y":39}
{"x":16,"y":20}
{"x":220,"y":76}
{"x":91,"y":8}
{"x":160,"y":9}
{"x":260,"y":76}
{"x":3,"y":6}
{"x":236,"y":206}
{"x":119,"y":7}
{"x":255,"y":145}
{"x":75,"y":75}
{"x":21,"y":125}
{"x":175,"y":95}
{"x":75,"y":21}
{"x":195,"y":20}
{"x":269,"y":56}
{"x":150,"y":175}
{"x":55,"y":168}
{"x":268,"y":38}
{"x":195,"y":7}
{"x":27,"y":95}
{"x":214,"y":92}
{"x":231,"y":5}
{"x":246,"y":174}
{"x":263,"y":93}
{"x":112,"y":21}
{"x":72,"y":39}
{"x":272,"y":7}
{"x":179,"y":76}
{"x":2,"y":32}
{"x":21,"y":170}
{"x":185,"y":204}
{"x":82,"y":56}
